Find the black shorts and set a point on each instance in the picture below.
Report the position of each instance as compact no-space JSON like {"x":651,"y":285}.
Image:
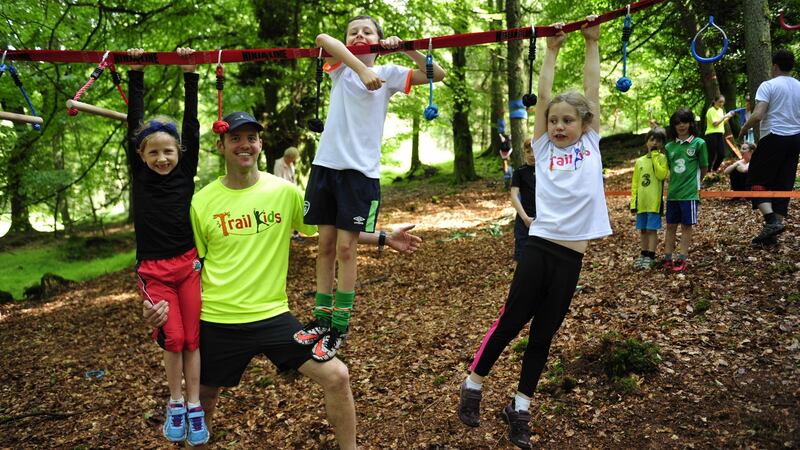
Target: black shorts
{"x":227,"y":349}
{"x":346,"y":199}
{"x":774,"y":162}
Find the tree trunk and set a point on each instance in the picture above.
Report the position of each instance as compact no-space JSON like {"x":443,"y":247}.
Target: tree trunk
{"x":17,"y":165}
{"x":515,"y":70}
{"x":415,"y":162}
{"x":497,"y":86}
{"x":758,"y":51}
{"x":463,"y":164}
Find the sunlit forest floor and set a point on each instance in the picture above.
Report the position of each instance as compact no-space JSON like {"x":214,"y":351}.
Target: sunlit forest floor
{"x":726,"y":330}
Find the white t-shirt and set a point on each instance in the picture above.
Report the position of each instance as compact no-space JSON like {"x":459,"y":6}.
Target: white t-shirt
{"x":570,"y":198}
{"x":354,"y":126}
{"x":783,"y":113}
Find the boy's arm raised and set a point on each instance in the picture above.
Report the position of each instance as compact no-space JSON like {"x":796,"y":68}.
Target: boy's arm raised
{"x":339,"y":52}
{"x":546,"y":75}
{"x":591,"y":69}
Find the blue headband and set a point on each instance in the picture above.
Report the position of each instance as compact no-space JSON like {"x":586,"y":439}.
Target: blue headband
{"x":154,"y":126}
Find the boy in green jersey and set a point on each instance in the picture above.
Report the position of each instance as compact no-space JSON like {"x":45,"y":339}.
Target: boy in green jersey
{"x":688,"y":163}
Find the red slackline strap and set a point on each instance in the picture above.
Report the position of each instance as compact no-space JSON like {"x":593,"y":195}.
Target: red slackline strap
{"x":275,"y":54}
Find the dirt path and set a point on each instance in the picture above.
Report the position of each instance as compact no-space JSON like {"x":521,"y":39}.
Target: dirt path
{"x":729,"y":376}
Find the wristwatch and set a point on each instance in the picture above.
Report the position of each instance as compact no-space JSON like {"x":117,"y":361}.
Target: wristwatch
{"x":381,"y":242}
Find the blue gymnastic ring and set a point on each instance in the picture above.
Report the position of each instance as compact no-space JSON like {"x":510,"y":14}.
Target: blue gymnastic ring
{"x":721,"y":54}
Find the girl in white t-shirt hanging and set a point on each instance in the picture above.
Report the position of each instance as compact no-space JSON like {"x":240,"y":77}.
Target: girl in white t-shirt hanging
{"x":570,"y":211}
{"x":343,"y":194}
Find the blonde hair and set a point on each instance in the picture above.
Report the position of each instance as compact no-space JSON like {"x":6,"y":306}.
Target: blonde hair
{"x":527,"y":144}
{"x":577,"y":101}
{"x":291,"y":151}
{"x":156,"y":126}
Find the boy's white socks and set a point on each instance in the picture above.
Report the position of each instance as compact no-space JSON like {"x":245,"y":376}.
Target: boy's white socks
{"x":191,"y":405}
{"x":173,"y":401}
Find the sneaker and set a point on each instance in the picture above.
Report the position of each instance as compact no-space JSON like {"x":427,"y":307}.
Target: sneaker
{"x":175,"y":425}
{"x":637,"y":265}
{"x":312,"y":332}
{"x":198,"y":432}
{"x":519,"y":431}
{"x":769,"y":230}
{"x":666,"y":264}
{"x":469,"y":406}
{"x":326,"y":347}
{"x":648,"y":263}
{"x":679,"y":265}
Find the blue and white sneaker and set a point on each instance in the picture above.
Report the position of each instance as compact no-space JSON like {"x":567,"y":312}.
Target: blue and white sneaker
{"x":175,"y":425}
{"x":198,"y":432}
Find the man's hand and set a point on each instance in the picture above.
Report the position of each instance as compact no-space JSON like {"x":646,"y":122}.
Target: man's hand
{"x":155,"y":315}
{"x":402,"y":241}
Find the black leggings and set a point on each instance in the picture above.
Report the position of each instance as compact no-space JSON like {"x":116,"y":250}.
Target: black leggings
{"x":716,"y":150}
{"x":541,"y":293}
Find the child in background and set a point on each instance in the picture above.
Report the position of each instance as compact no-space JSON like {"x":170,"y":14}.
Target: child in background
{"x":688,"y":163}
{"x":343,"y":195}
{"x":647,"y":187}
{"x":284,"y":167}
{"x":163,"y":166}
{"x":737,"y":170}
{"x":570,"y":211}
{"x":523,"y":198}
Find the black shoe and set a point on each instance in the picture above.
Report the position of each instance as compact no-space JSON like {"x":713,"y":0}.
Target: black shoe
{"x":519,"y":430}
{"x":770,"y":230}
{"x":469,"y":406}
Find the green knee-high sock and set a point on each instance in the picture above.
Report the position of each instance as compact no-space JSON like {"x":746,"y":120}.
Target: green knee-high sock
{"x":323,"y":308}
{"x":341,"y":310}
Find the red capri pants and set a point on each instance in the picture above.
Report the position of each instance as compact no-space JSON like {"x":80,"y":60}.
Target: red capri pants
{"x":176,"y":280}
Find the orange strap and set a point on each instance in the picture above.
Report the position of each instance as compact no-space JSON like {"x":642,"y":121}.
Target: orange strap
{"x":726,"y":194}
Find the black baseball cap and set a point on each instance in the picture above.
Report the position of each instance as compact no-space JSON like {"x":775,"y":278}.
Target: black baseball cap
{"x":239,"y":118}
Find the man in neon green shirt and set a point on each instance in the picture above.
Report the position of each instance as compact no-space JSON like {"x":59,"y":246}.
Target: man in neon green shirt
{"x":242,"y":223}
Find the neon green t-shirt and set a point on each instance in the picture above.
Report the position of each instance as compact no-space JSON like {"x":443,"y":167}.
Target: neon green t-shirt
{"x":712,"y":115}
{"x":685,"y":160}
{"x":244,"y":236}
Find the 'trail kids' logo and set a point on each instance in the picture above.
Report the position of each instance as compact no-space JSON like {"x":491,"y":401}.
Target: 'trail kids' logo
{"x":244,"y":225}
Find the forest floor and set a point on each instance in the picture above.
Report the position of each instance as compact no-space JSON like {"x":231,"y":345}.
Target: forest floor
{"x":728,"y":330}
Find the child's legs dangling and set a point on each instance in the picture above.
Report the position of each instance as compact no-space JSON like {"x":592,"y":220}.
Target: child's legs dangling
{"x":548,"y":318}
{"x":326,"y":264}
{"x":189,"y":299}
{"x":515,"y":313}
{"x":346,"y":257}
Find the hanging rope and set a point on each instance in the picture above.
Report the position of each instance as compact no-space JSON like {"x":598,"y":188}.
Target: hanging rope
{"x":712,"y":59}
{"x":316,"y":124}
{"x":783,"y":24}
{"x":33,"y":119}
{"x":624,"y":83}
{"x":529,"y":99}
{"x":220,"y":126}
{"x":432,"y":111}
{"x":117,"y":82}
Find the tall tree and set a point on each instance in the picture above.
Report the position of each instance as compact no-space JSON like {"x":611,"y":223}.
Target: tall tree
{"x":757,"y":45}
{"x":514,"y":66}
{"x":463,"y":162}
